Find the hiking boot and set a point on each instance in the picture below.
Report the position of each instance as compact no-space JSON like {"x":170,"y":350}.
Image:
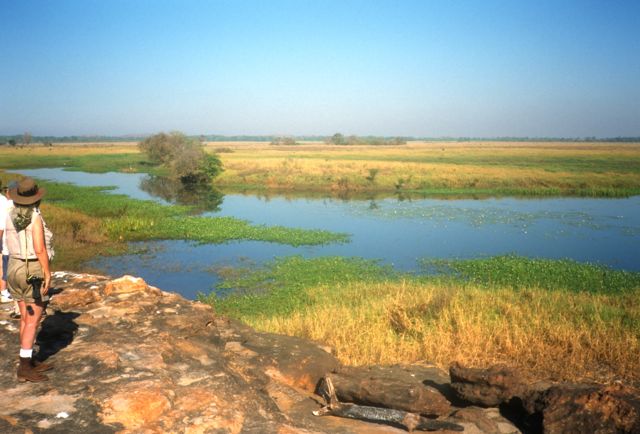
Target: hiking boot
{"x":26,"y":372}
{"x":39,"y":366}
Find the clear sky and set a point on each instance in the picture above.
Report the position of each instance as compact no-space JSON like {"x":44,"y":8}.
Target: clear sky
{"x":410,"y":68}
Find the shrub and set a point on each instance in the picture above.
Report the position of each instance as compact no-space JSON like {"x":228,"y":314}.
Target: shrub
{"x":183,"y":156}
{"x":161,"y":147}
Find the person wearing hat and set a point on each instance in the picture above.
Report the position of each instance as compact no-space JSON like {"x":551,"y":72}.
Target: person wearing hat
{"x":5,"y":204}
{"x":6,"y":296}
{"x":28,"y":275}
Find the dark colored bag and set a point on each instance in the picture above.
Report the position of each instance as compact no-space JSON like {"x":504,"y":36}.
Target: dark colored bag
{"x":36,"y":284}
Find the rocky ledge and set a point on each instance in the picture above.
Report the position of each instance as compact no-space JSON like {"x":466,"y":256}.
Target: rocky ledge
{"x":131,"y":358}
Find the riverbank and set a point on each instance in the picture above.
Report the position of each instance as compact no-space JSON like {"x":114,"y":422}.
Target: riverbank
{"x":559,"y":319}
{"x":185,"y":368}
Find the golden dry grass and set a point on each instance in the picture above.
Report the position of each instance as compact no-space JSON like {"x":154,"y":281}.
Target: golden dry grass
{"x":551,"y":334}
{"x":77,"y":236}
{"x":486,"y":167}
{"x":72,"y":149}
{"x":432,"y":166}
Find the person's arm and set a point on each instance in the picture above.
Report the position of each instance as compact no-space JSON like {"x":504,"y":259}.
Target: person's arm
{"x":41,"y":252}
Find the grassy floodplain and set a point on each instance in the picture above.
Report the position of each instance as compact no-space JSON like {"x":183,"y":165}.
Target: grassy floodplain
{"x":436,"y":168}
{"x":553,"y":319}
{"x":556,"y":319}
{"x":428,"y":168}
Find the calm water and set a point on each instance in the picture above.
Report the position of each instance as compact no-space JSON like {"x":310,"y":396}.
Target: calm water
{"x":397,"y":232}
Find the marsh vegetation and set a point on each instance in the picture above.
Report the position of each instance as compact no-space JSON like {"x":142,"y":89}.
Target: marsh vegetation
{"x":544,"y":321}
{"x":559,"y":318}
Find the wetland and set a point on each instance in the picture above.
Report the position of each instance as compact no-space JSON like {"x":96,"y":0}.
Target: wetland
{"x":397,"y":231}
{"x":548,"y":279}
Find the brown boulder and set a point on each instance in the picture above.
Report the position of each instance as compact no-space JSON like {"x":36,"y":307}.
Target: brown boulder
{"x":126,"y":286}
{"x":552,"y":408}
{"x":579,"y":408}
{"x":399,"y":387}
{"x":485,"y":387}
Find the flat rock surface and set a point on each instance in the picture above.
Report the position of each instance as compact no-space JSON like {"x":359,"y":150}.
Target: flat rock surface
{"x":131,"y":358}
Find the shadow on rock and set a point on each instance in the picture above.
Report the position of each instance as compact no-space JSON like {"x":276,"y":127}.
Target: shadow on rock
{"x":56,"y":332}
{"x":448,"y":392}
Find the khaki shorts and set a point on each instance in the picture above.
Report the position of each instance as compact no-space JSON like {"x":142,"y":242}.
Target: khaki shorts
{"x":17,"y":279}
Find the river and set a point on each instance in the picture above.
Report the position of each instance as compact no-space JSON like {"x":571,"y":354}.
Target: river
{"x":392,"y":230}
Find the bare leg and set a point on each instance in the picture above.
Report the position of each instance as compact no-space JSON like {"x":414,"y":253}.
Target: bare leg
{"x":29,"y":321}
{"x":23,"y":314}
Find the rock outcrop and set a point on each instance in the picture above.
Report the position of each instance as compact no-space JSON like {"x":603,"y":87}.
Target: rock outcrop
{"x":131,"y":358}
{"x":551,"y":408}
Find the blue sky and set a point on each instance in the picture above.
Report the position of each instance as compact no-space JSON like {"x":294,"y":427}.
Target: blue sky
{"x":408,"y":68}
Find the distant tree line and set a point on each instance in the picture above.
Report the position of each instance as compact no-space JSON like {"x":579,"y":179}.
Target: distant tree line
{"x":19,"y":139}
{"x":26,"y":138}
{"x":286,"y":141}
{"x":339,"y":139}
{"x":619,"y":139}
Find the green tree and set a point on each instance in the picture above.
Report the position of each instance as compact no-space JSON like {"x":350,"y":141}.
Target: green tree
{"x":185,"y":157}
{"x":212,"y":166}
{"x":337,"y":139}
{"x":160,"y":148}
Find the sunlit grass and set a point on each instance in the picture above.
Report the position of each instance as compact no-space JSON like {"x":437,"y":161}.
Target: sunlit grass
{"x":371,"y":315}
{"x":440,"y":168}
{"x":96,"y":159}
{"x":434,"y":168}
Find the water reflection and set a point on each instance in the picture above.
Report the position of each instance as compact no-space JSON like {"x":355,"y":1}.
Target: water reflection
{"x":202,"y":197}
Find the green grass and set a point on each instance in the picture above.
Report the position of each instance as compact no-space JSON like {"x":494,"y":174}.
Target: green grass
{"x":553,"y":319}
{"x":520,"y":273}
{"x":461,"y":193}
{"x":133,"y":220}
{"x":278,"y":288}
{"x":93,"y":163}
{"x":89,"y":221}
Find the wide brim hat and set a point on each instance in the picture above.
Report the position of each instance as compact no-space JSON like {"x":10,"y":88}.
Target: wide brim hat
{"x":26,"y":192}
